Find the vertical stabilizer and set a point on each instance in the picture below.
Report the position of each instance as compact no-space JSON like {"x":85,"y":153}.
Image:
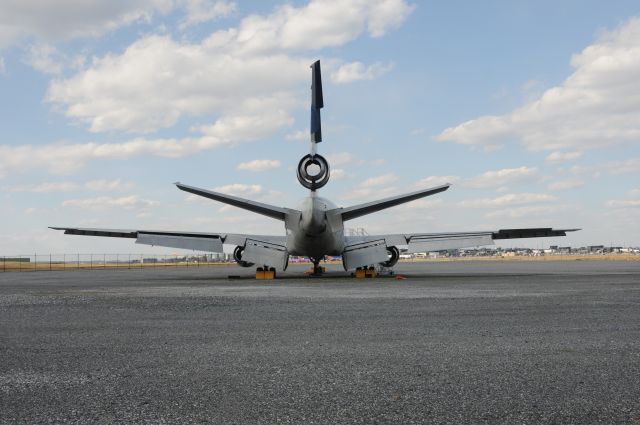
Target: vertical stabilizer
{"x":317,"y":102}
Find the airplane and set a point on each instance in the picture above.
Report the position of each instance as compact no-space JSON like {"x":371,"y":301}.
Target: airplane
{"x":315,"y":228}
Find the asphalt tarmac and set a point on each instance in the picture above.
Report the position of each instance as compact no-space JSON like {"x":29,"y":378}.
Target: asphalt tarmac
{"x":468,"y":342}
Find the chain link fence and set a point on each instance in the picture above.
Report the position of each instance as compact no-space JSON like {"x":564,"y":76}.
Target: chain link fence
{"x":54,"y":262}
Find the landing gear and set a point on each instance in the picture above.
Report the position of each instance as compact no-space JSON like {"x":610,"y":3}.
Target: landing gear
{"x":317,"y":270}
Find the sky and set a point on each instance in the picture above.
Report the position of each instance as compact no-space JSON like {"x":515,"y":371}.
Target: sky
{"x":530,"y":109}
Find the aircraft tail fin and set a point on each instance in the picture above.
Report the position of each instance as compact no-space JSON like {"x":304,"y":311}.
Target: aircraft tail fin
{"x":317,"y":102}
{"x":254,"y":206}
{"x":370,"y":207}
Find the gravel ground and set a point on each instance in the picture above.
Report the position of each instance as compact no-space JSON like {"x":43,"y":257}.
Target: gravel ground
{"x":468,"y":342}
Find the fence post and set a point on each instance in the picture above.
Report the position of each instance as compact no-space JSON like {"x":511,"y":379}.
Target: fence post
{"x":91,"y":261}
{"x":78,"y":262}
{"x":4,"y":264}
{"x":35,"y":262}
{"x":129,"y":263}
{"x":49,"y":262}
{"x":104,"y":261}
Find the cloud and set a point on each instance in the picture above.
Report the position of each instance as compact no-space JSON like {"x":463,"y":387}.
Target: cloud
{"x":357,"y":71}
{"x":298,"y":135}
{"x":67,"y":19}
{"x":509,"y":199}
{"x":93,"y":185}
{"x":632,"y":201}
{"x":528,"y":211}
{"x":379,"y":180}
{"x":501,"y":177}
{"x":318,"y":24}
{"x":106,"y":202}
{"x":437,"y":181}
{"x":41,"y":57}
{"x":67,"y":158}
{"x":239,"y":189}
{"x":623,"y":203}
{"x":338,"y":174}
{"x":3,"y":69}
{"x":46,"y":187}
{"x":340,"y":158}
{"x":565,"y":184}
{"x":627,"y":166}
{"x":596,"y":106}
{"x":373,"y":187}
{"x":563,"y":156}
{"x":488,"y":179}
{"x":259,"y":165}
{"x":107,"y":185}
{"x":241,"y":71}
{"x":200,"y":11}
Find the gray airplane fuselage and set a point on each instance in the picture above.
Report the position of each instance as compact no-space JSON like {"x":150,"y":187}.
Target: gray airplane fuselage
{"x":314,"y":233}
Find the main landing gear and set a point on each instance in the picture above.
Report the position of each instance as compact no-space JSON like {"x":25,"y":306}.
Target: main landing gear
{"x":317,"y":270}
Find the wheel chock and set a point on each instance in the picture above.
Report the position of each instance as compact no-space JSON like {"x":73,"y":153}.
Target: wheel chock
{"x":266,"y":273}
{"x":365,"y":273}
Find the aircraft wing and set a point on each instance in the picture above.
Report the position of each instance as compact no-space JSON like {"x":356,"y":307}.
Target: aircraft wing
{"x":426,"y":242}
{"x":210,"y":242}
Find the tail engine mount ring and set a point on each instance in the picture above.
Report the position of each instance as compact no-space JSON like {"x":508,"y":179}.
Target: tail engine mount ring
{"x":313,"y":181}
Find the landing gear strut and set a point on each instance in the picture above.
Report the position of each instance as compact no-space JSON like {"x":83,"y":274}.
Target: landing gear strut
{"x":317,"y":269}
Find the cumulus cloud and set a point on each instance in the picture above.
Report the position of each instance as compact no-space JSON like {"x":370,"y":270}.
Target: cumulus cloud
{"x":565,"y":184}
{"x":632,"y":200}
{"x":509,"y":199}
{"x":488,"y":179}
{"x":239,"y":189}
{"x":66,"y":19}
{"x":107,"y":185}
{"x":67,"y":158}
{"x":93,"y":185}
{"x":357,"y":71}
{"x":563,"y":156}
{"x":379,"y":180}
{"x":42,"y":58}
{"x":527,"y":211}
{"x":47,"y":187}
{"x":624,"y":203}
{"x":244,"y":70}
{"x":259,"y":165}
{"x":373,"y":187}
{"x":501,"y":177}
{"x":338,"y":174}
{"x":106,"y":202}
{"x":341,"y":158}
{"x":596,"y":106}
{"x":200,"y":11}
{"x":298,"y":135}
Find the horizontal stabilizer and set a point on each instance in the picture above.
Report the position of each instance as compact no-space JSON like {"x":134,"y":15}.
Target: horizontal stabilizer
{"x":370,"y":207}
{"x":256,"y":207}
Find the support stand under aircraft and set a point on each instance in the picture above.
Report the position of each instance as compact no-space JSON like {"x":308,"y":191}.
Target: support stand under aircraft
{"x":316,"y":228}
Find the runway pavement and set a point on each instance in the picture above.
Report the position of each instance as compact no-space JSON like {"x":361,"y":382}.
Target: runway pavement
{"x":469,"y":342}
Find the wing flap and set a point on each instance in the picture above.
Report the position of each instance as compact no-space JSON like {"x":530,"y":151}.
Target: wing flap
{"x":209,"y":244}
{"x":364,"y":253}
{"x":442,"y":242}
